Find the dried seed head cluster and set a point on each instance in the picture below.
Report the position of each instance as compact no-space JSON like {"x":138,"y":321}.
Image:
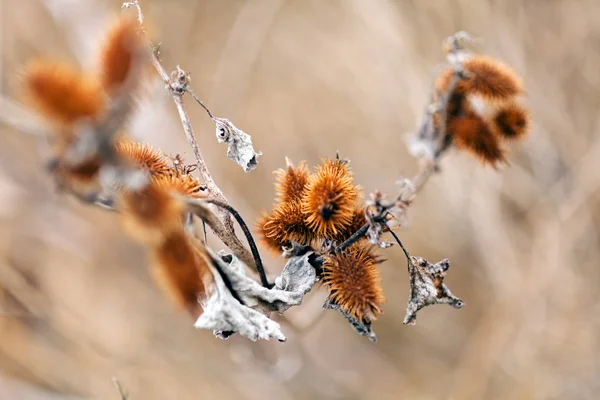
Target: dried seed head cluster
{"x":67,"y":97}
{"x":484,"y":107}
{"x":143,"y":156}
{"x":353,"y":281}
{"x":286,"y":224}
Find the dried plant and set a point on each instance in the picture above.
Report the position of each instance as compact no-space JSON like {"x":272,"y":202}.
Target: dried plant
{"x":319,"y":221}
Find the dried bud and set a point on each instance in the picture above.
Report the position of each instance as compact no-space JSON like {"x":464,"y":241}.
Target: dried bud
{"x":353,"y":281}
{"x":291,"y":182}
{"x":472,"y":133}
{"x":287,"y":224}
{"x":61,"y":93}
{"x":180,"y":271}
{"x":143,"y":156}
{"x":121,"y":48}
{"x":512,"y":122}
{"x":330,"y":198}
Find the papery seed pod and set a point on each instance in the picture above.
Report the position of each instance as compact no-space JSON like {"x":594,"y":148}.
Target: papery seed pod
{"x":151,"y":213}
{"x":354,"y":282}
{"x":183,"y":184}
{"x":180,"y":270}
{"x":144,"y":156}
{"x":291,"y":181}
{"x":512,"y":122}
{"x":121,"y":48}
{"x":330,"y":198}
{"x":472,"y":133}
{"x":287,"y":224}
{"x":61,"y":93}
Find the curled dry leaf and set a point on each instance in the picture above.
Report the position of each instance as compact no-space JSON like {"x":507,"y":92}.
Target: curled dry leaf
{"x":427,"y":287}
{"x":225,"y":314}
{"x":239,"y":144}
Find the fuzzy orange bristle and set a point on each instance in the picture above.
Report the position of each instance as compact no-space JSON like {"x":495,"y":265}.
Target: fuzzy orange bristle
{"x":287,"y":224}
{"x":151,"y":213}
{"x":358,"y":220}
{"x":354,"y":282}
{"x":180,"y":270}
{"x":470,"y":132}
{"x":183,"y":184}
{"x":512,"y":122}
{"x":291,"y":182}
{"x":270,"y":242}
{"x":144,"y":156}
{"x":484,"y":76}
{"x":491,"y":79}
{"x":61,"y":93}
{"x":121,"y":47}
{"x":330,"y":198}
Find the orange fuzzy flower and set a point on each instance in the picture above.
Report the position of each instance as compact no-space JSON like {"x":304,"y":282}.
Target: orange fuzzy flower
{"x":512,"y":122}
{"x":286,"y":224}
{"x":179,"y":269}
{"x":471,"y":133}
{"x":330,"y":198}
{"x":354,"y":282}
{"x":61,"y":93}
{"x":151,"y":213}
{"x":291,"y":182}
{"x":121,"y":47}
{"x":144,"y":156}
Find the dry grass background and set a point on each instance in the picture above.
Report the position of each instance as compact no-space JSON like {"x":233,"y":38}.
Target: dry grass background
{"x":307,"y":78}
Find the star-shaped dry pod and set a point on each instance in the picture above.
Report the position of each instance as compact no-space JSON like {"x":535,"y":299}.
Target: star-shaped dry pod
{"x":427,"y":287}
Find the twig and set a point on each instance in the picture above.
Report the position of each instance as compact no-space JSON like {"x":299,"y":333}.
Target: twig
{"x":122,"y":393}
{"x":178,"y":85}
{"x":200,"y":102}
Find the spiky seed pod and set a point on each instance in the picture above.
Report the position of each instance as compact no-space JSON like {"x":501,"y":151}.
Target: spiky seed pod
{"x":151,"y":213}
{"x":287,"y":224}
{"x":483,"y":76}
{"x":512,"y":122}
{"x":117,"y":57}
{"x":472,"y":133}
{"x":354,"y":282}
{"x":269,"y":242}
{"x":144,"y":156}
{"x":183,"y":184}
{"x":61,"y":93}
{"x":358,"y":220}
{"x":291,"y":182}
{"x":82,"y":178}
{"x":180,"y":270}
{"x":330,"y":198}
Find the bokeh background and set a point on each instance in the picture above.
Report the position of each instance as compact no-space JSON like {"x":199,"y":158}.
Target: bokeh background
{"x":307,"y":78}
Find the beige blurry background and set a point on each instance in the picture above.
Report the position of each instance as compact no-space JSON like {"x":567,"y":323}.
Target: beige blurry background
{"x":307,"y":78}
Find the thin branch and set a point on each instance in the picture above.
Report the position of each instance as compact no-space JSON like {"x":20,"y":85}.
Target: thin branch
{"x":124,"y":395}
{"x":200,"y":102}
{"x":406,"y":253}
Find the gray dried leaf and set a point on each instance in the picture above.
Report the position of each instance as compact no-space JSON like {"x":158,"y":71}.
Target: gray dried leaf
{"x":239,"y":144}
{"x":362,"y":328}
{"x":427,"y":287}
{"x":296,"y":280}
{"x":225,"y":315}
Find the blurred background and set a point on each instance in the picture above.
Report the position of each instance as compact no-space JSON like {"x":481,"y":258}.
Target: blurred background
{"x":307,"y":78}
